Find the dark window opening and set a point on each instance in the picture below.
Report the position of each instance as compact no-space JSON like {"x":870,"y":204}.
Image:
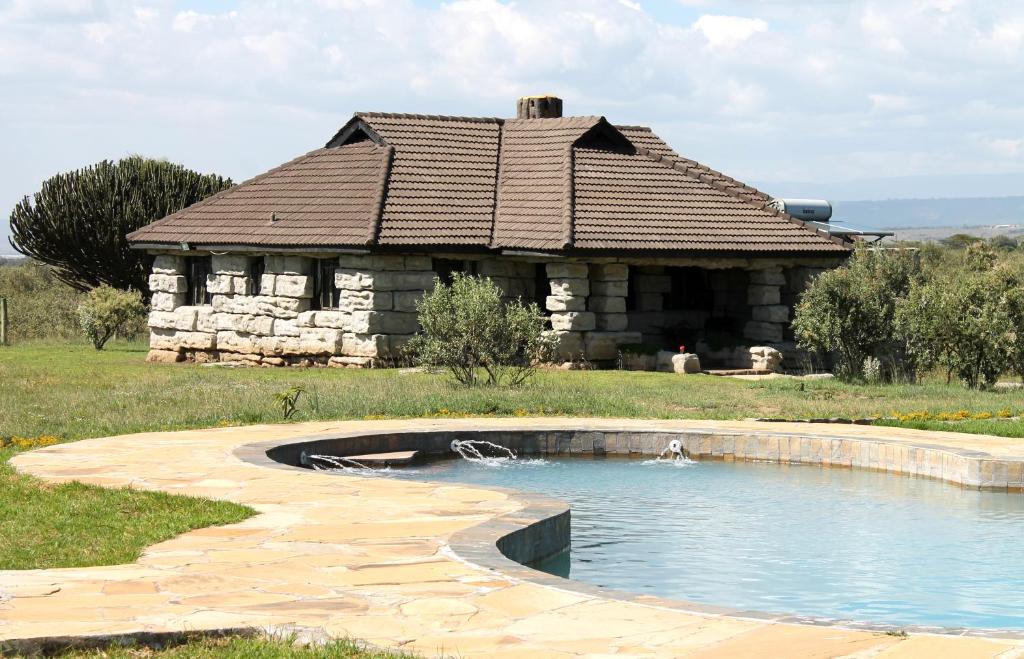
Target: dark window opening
{"x":541,"y":287}
{"x":325,"y":292}
{"x":689,"y":289}
{"x":257,"y":267}
{"x":445,"y":268}
{"x":198,"y":270}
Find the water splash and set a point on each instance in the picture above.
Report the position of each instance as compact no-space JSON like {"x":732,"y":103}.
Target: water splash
{"x":470,"y":449}
{"x":675,"y":450}
{"x":336,"y":463}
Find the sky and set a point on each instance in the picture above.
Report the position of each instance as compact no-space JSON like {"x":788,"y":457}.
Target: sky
{"x":843,"y":99}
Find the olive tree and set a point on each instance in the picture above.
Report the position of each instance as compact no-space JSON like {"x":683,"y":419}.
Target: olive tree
{"x":106,"y":310}
{"x":478,"y":337}
{"x":78,"y":220}
{"x":849,"y":312}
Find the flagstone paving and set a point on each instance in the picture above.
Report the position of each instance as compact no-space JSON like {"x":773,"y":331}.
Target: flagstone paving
{"x":368,"y":558}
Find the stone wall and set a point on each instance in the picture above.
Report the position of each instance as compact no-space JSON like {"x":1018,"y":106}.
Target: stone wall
{"x":588,"y":310}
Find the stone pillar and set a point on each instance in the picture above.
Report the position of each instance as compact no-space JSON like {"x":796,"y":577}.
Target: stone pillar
{"x":768,"y":315}
{"x":174,"y":327}
{"x":651,"y":286}
{"x":570,"y":287}
{"x":609,"y":284}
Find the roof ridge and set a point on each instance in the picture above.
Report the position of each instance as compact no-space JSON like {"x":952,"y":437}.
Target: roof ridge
{"x":436,"y":117}
{"x":628,"y":127}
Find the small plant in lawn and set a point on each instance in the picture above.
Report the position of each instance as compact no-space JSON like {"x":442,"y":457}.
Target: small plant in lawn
{"x":289,"y":400}
{"x":106,"y":310}
{"x":468,"y":328}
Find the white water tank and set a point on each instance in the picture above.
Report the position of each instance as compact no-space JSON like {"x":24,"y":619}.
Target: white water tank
{"x":809,"y":210}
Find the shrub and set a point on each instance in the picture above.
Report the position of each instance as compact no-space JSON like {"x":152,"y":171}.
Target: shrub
{"x":467,"y":328}
{"x":39,"y":305}
{"x":106,"y":310}
{"x":962,"y":323}
{"x":78,"y":220}
{"x":849,"y":312}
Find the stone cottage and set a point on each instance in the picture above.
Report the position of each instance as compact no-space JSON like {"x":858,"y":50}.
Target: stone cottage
{"x":620,"y":239}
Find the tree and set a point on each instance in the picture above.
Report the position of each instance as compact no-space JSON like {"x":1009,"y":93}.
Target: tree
{"x":78,"y":220}
{"x":963,"y":323}
{"x":468,"y":328}
{"x":850,"y":312}
{"x":106,"y":310}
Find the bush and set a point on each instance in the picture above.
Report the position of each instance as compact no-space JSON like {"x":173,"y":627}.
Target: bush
{"x":850,"y":312}
{"x":106,"y":310}
{"x":964,"y":323}
{"x":78,"y":220}
{"x":467,"y":328}
{"x":39,"y":305}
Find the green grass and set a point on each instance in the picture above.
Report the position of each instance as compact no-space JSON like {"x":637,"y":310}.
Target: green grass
{"x":73,"y":525}
{"x":72,"y":391}
{"x":237,"y":647}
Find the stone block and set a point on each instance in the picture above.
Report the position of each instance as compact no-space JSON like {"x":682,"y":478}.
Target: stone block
{"x":332,"y":319}
{"x":364,"y":300}
{"x":567,"y":270}
{"x":568,"y":345}
{"x":182,"y":319}
{"x":165,"y":356}
{"x":287,"y":265}
{"x":564,"y":287}
{"x":761,"y":295}
{"x":772,"y":313}
{"x":419,"y":262}
{"x":227,"y":284}
{"x":760,"y":331}
{"x":686,"y":362}
{"x":765,"y":358}
{"x":350,"y":362}
{"x":231,"y":264}
{"x":364,"y":345}
{"x":168,"y":264}
{"x":306,"y":319}
{"x":248,"y":324}
{"x":609,"y":288}
{"x":405,"y":300}
{"x":353,"y":280}
{"x":319,"y":341}
{"x":260,"y":305}
{"x":653,"y":284}
{"x":283,"y":327}
{"x":769,"y":276}
{"x":496,"y":268}
{"x":397,"y":343}
{"x":612,"y":322}
{"x":383,"y":322}
{"x":410,"y":280}
{"x":650,"y":302}
{"x":602,"y":346}
{"x":206,"y":320}
{"x":168,"y":283}
{"x":604,"y":304}
{"x":579,"y":321}
{"x":291,"y":286}
{"x":232,"y":341}
{"x":609,"y":272}
{"x":166,"y":301}
{"x":560,"y":303}
{"x":663,"y":361}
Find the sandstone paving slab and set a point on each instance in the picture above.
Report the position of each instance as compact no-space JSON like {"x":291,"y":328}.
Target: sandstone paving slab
{"x":369,"y":558}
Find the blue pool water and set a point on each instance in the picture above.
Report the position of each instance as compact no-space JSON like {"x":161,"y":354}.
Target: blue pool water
{"x":837,"y":543}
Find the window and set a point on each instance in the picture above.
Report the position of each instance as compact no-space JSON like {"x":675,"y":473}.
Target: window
{"x":257,"y":267}
{"x":325,"y":293}
{"x":690,"y":289}
{"x":198,"y":270}
{"x":445,"y":268}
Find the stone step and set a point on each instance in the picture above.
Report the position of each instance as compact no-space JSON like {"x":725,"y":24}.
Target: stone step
{"x":394,"y":458}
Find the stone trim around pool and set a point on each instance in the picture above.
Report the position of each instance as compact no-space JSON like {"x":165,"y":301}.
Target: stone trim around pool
{"x":968,"y":468}
{"x":508,"y":544}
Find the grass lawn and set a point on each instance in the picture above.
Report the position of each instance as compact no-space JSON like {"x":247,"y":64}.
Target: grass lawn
{"x":236,"y":647}
{"x":73,"y":525}
{"x":71,"y":391}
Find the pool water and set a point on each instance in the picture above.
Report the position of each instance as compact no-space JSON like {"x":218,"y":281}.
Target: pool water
{"x":835,"y":543}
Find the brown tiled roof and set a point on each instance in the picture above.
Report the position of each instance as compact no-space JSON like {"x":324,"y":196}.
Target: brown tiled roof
{"x":536,"y":184}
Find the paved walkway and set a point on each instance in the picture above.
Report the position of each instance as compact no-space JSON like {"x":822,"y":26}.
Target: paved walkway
{"x":368,"y":559}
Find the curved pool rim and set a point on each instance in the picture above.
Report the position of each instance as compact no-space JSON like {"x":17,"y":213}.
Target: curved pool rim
{"x":541,"y":528}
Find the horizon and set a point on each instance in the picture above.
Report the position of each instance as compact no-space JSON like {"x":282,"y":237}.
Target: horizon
{"x":842,"y":101}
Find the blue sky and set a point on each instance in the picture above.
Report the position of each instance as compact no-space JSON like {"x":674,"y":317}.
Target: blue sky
{"x":854,"y":99}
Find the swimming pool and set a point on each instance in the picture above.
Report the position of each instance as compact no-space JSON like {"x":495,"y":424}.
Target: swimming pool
{"x":846,"y":544}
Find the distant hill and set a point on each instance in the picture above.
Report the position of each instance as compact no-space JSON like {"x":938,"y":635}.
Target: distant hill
{"x":932,"y":213}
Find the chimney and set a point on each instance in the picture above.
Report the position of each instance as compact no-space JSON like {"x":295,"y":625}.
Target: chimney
{"x":539,"y":107}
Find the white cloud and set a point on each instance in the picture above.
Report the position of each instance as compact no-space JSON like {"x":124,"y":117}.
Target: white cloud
{"x":889,"y":102}
{"x":728,"y":31}
{"x":1006,"y":147}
